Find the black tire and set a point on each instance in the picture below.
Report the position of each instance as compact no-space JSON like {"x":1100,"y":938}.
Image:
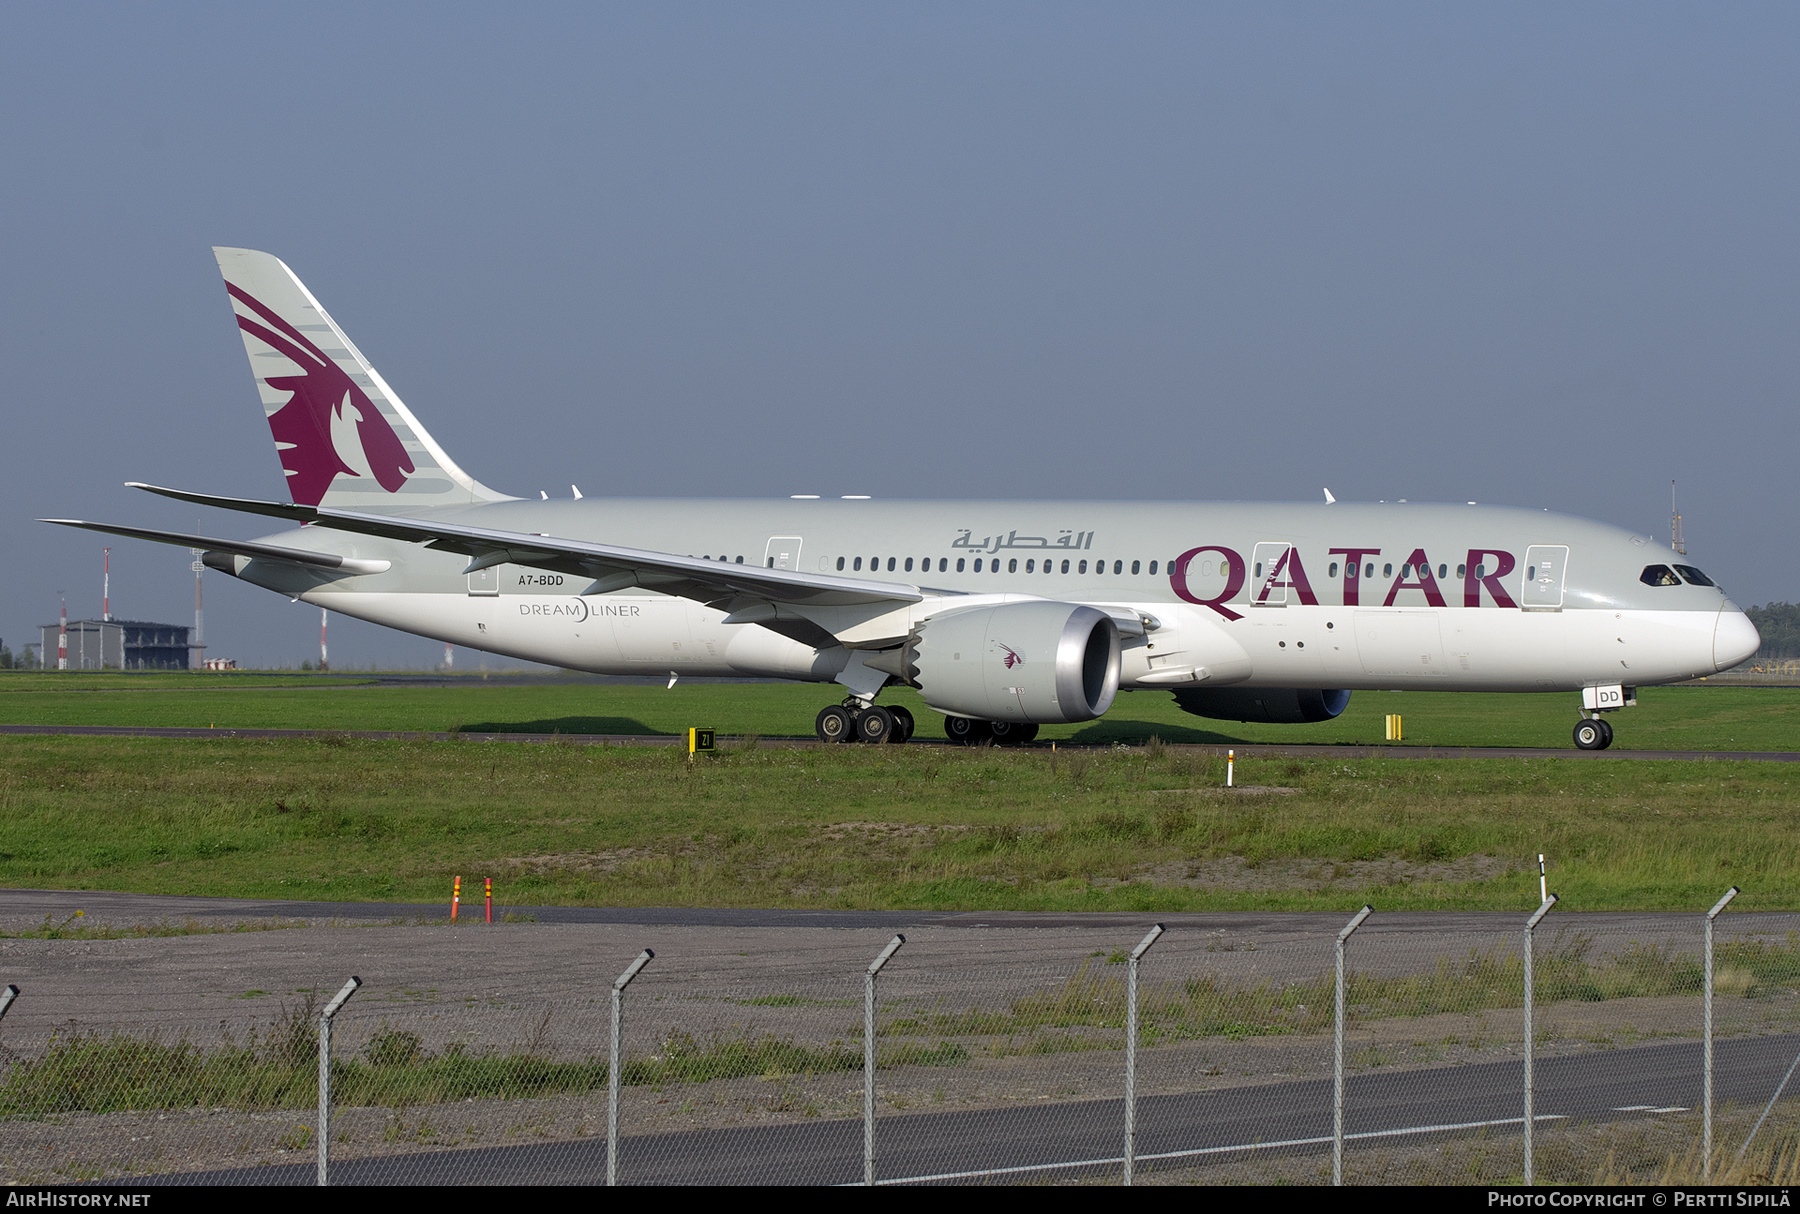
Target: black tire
{"x":835,"y":724}
{"x":967,"y":731}
{"x":904,"y":725}
{"x":1012,"y":733}
{"x":875,"y":726}
{"x":1590,"y":735}
{"x":1605,"y":728}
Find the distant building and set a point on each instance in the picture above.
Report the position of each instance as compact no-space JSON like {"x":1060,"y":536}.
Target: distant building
{"x":118,"y":645}
{"x":220,"y":664}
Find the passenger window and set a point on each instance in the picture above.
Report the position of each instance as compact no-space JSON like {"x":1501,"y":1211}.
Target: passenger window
{"x":1406,"y":573}
{"x":1081,"y":568}
{"x":1387,"y":571}
{"x":858,"y":565}
{"x":1693,"y":576}
{"x":1462,"y":571}
{"x":740,"y":560}
{"x":1118,"y":566}
{"x":959,"y":564}
{"x":1030,"y":566}
{"x":909,"y":564}
{"x":1658,"y":575}
{"x":1369,"y":569}
{"x":1065,"y":567}
{"x":1099,"y":566}
{"x":1153,"y":567}
{"x":840,"y":564}
{"x":943,"y":564}
{"x":1443,"y":571}
{"x":1480,"y":571}
{"x":977,"y":564}
{"x":890,"y":564}
{"x":1012,"y":566}
{"x":1134,"y":567}
{"x":1332,"y":571}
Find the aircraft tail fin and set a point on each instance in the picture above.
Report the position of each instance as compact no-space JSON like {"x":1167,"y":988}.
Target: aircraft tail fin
{"x":344,"y":437}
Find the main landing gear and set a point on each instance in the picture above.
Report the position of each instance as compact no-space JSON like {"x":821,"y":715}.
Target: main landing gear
{"x":853,"y":722}
{"x":1593,"y":733}
{"x":966,"y":731}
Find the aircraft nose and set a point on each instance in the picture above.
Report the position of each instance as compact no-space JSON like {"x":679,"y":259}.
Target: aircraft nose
{"x":1734,"y":638}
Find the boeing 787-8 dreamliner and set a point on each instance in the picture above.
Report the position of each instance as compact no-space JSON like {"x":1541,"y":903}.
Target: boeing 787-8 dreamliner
{"x":1005,"y":615}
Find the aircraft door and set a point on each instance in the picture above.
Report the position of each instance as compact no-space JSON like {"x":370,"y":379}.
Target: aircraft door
{"x":1269,"y":577}
{"x":783,"y":552}
{"x":1545,"y":567}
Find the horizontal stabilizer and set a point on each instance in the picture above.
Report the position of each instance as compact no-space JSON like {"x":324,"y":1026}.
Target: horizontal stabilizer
{"x":249,"y":505}
{"x":267,"y":552}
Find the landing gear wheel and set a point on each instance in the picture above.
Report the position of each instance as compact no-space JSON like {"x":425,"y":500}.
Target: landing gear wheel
{"x":835,"y":724}
{"x":1592,"y":734}
{"x":1011,"y":733}
{"x":903,"y":724}
{"x":875,"y":726}
{"x":967,"y":731}
{"x":1605,"y":728}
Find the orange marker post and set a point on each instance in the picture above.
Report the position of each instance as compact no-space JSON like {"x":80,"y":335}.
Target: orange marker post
{"x":490,"y":898}
{"x":455,"y":898}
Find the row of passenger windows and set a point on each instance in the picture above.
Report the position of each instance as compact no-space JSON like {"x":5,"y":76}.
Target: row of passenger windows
{"x":905,"y":565}
{"x":1406,"y":571}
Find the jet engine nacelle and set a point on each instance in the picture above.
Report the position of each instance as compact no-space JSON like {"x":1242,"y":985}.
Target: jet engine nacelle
{"x":1276,"y":705}
{"x":1039,"y":662}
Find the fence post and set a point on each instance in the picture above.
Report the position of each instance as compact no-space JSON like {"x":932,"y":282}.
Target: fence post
{"x":1337,"y":1070}
{"x":893,"y":946}
{"x":331,"y":1009}
{"x":6,"y":997}
{"x":613,"y":1064}
{"x":1530,"y":1040}
{"x":1706,"y":1100}
{"x":1131,"y":1040}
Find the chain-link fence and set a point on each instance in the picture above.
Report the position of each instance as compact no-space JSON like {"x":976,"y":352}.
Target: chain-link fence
{"x":999,"y":1055}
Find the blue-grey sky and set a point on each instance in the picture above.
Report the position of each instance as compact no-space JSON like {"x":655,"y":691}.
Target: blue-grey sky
{"x":1542,"y":254}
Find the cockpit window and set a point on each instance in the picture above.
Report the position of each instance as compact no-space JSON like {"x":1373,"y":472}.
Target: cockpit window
{"x":1693,"y":576}
{"x":1658,"y":575}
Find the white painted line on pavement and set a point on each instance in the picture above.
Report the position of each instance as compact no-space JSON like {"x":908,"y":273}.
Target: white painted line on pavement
{"x":1244,"y":1146}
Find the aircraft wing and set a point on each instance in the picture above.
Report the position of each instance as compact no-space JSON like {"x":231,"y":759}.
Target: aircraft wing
{"x":612,"y":567}
{"x":272,"y":552}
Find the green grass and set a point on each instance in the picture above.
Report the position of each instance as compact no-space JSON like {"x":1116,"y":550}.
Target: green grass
{"x":1210,"y":1006}
{"x":338,"y":819}
{"x":1681,"y":718}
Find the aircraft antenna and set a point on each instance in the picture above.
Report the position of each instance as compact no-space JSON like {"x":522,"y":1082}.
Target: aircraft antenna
{"x":1675,"y":540}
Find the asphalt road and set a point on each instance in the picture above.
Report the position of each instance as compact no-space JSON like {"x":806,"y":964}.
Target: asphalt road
{"x":1393,"y":1106}
{"x":595,"y":739}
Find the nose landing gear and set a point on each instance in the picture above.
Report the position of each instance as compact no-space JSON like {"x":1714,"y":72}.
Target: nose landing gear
{"x":1594,"y":733}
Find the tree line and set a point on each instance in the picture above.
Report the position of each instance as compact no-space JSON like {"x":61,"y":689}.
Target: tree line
{"x":1779,"y":624}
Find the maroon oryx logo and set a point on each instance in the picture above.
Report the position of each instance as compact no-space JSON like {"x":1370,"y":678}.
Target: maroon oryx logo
{"x":321,"y":392}
{"x":1012,"y":657}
